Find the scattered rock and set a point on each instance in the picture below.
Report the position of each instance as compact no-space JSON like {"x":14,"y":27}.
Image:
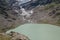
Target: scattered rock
{"x":18,"y":36}
{"x":13,"y":36}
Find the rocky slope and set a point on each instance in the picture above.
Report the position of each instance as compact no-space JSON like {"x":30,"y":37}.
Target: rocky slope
{"x":13,"y":36}
{"x":33,"y":3}
{"x":13,"y":14}
{"x":49,"y":14}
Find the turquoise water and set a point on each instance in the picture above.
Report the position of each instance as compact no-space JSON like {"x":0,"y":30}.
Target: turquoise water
{"x":39,"y":31}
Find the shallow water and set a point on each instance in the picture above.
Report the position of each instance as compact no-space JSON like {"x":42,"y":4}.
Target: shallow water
{"x":39,"y":31}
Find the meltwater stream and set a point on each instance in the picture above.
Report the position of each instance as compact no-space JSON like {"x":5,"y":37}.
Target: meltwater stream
{"x":39,"y":31}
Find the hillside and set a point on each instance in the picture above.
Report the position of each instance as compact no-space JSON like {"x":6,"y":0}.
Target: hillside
{"x":13,"y":14}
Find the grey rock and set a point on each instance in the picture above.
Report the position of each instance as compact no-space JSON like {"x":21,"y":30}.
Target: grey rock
{"x":18,"y":36}
{"x":10,"y":13}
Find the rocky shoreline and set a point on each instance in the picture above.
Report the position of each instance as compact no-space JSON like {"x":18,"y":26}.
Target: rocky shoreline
{"x":13,"y":36}
{"x":13,"y":15}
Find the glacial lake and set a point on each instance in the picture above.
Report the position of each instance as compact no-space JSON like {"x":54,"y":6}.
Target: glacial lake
{"x":39,"y":31}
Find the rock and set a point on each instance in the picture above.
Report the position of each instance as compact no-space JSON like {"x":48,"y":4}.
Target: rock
{"x":10,"y":16}
{"x":10,"y":20}
{"x":33,"y":3}
{"x":18,"y":36}
{"x":10,"y":13}
{"x":50,"y":16}
{"x":13,"y":36}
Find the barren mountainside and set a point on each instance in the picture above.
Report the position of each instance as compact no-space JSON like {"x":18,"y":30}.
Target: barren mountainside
{"x":15,"y":12}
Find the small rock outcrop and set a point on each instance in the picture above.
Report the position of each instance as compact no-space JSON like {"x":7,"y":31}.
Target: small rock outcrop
{"x":18,"y":36}
{"x":13,"y":36}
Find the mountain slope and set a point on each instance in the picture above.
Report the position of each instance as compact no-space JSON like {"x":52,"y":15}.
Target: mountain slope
{"x":13,"y":14}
